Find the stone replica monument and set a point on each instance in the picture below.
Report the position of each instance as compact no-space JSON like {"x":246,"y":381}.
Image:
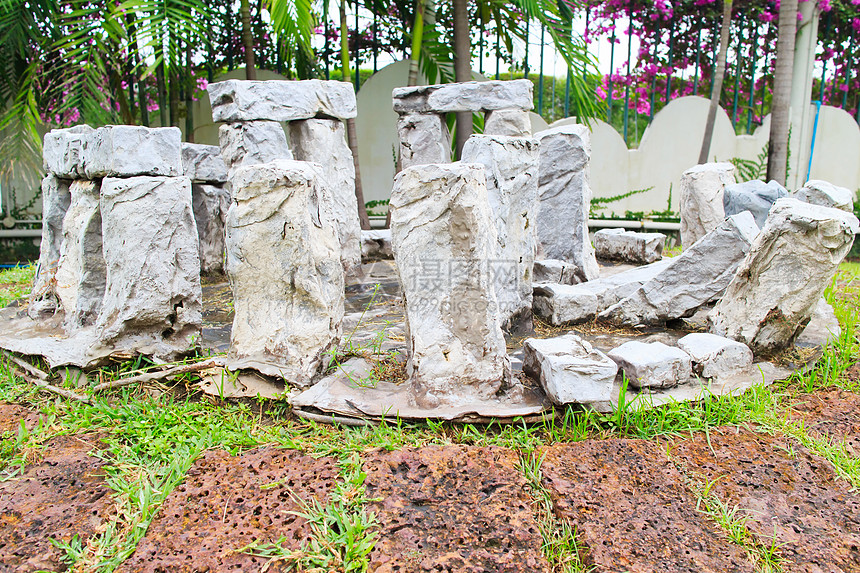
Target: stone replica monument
{"x":210,"y":196}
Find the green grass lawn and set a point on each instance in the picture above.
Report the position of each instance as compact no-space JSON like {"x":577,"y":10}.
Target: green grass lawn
{"x":15,"y":283}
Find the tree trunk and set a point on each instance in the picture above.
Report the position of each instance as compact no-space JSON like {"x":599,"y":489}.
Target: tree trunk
{"x":462,"y":67}
{"x":248,"y":41}
{"x":189,"y":95}
{"x":417,"y":35}
{"x":777,"y":146}
{"x":719,"y":74}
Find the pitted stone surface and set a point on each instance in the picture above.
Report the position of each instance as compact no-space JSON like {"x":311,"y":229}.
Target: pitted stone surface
{"x":832,"y":413}
{"x":754,"y":196}
{"x":452,"y":508}
{"x":465,"y":96}
{"x":631,"y":509}
{"x":55,"y":203}
{"x":252,"y":143}
{"x":629,"y":246}
{"x":11,"y":417}
{"x":513,"y":122}
{"x":278,"y":100}
{"x":424,"y":138}
{"x":701,"y":207}
{"x":130,"y":151}
{"x":787,"y":494}
{"x":826,"y":194}
{"x":222,"y":506}
{"x":210,"y":204}
{"x":62,"y":151}
{"x":203,"y":163}
{"x":569,"y":369}
{"x":652,"y":364}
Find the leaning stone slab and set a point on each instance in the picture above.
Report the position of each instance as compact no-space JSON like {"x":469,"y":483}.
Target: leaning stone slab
{"x":283,"y":261}
{"x":826,"y":195}
{"x":278,"y":100}
{"x":80,"y":275}
{"x":443,"y":237}
{"x":565,"y":198}
{"x":210,"y":204}
{"x":714,"y":356}
{"x":755,"y":196}
{"x":702,"y":199}
{"x":324,"y":141}
{"x":696,"y":277}
{"x":424,"y":138}
{"x":513,"y":122}
{"x":465,"y":96}
{"x":62,"y":151}
{"x":129,"y":151}
{"x":652,"y":364}
{"x":376,"y":244}
{"x":511,"y":168}
{"x":55,"y":203}
{"x":569,"y":369}
{"x":203,"y":163}
{"x":153,"y":300}
{"x":629,"y":246}
{"x":779,"y":283}
{"x":554,"y":271}
{"x":252,"y":143}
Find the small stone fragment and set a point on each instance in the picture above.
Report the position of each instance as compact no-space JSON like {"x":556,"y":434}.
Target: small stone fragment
{"x":203,"y":163}
{"x":278,"y":100}
{"x":714,"y":356}
{"x":702,"y":199}
{"x":629,"y":246}
{"x":252,"y":143}
{"x":569,"y":369}
{"x":376,"y":244}
{"x":754,"y":196}
{"x":62,"y":151}
{"x":652,"y":364}
{"x":130,"y":151}
{"x":554,"y":271}
{"x":55,"y":203}
{"x":779,"y":283}
{"x":210,"y":203}
{"x":826,"y":195}
{"x":424,"y":138}
{"x":513,"y":122}
{"x":464,"y":96}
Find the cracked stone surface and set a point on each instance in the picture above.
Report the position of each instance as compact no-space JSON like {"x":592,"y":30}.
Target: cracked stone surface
{"x":452,"y":508}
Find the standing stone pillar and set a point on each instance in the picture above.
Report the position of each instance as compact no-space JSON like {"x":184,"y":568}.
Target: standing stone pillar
{"x":55,"y":203}
{"x":443,"y":236}
{"x":513,"y":122}
{"x":283,"y":260}
{"x":565,"y":198}
{"x":210,"y":198}
{"x":251,"y":143}
{"x":702,"y":208}
{"x":511,"y":167}
{"x":424,"y":138}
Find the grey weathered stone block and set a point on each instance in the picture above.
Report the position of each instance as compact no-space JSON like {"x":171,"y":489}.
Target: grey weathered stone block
{"x":130,"y":151}
{"x":252,"y":143}
{"x":465,"y":96}
{"x":826,"y":195}
{"x":424,"y":138}
{"x":569,"y":369}
{"x":62,"y":151}
{"x":554,"y":271}
{"x":513,"y":122}
{"x":629,"y":246}
{"x":55,"y":203}
{"x":652,"y":364}
{"x":203,"y":163}
{"x":278,"y":100}
{"x":715,"y":356}
{"x":376,"y":244}
{"x":755,"y":196}
{"x":210,"y":204}
{"x":702,"y":199}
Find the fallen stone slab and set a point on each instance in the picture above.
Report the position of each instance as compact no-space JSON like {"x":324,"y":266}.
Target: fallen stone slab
{"x":443,"y":237}
{"x":754,"y":196}
{"x":465,"y":96}
{"x":203,"y":163}
{"x":698,"y":276}
{"x":62,"y":151}
{"x":702,"y":208}
{"x":210,"y":204}
{"x":55,"y":203}
{"x":714,"y":356}
{"x":252,"y":143}
{"x":376,"y":244}
{"x":229,"y":502}
{"x":452,"y":508}
{"x":779,"y":283}
{"x":554,"y":271}
{"x":278,"y":100}
{"x":565,"y":198}
{"x":791,"y":498}
{"x":652,"y":364}
{"x":632,"y":511}
{"x":283,"y":261}
{"x":130,"y":151}
{"x":152,"y":298}
{"x":569,"y":369}
{"x":629,"y":246}
{"x":424,"y":138}
{"x":512,"y":122}
{"x":826,"y":194}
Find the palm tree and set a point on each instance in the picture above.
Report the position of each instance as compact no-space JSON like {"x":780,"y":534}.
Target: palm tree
{"x":777,"y":146}
{"x":719,"y":74}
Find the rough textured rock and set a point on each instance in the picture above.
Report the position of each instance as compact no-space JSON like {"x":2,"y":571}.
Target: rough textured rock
{"x":696,"y":277}
{"x":129,"y":151}
{"x":714,"y":356}
{"x":210,"y":204}
{"x":513,"y":122}
{"x":629,"y":246}
{"x":554,"y":271}
{"x":702,"y":199}
{"x":565,"y":198}
{"x":252,"y":143}
{"x":62,"y":151}
{"x":569,"y":369}
{"x":465,"y":96}
{"x":511,"y":168}
{"x":283,"y":260}
{"x":203,"y":163}
{"x":755,"y":196}
{"x":80,"y":277}
{"x":153,"y":299}
{"x":376,"y":244}
{"x":55,"y":203}
{"x":424,"y":138}
{"x":823,"y":327}
{"x":324,"y":141}
{"x":652,"y":364}
{"x":277,"y":100}
{"x":826,"y":195}
{"x":443,"y":237}
{"x":779,"y":283}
